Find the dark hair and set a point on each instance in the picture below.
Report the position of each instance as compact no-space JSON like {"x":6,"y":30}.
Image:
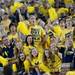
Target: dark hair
{"x":12,"y":24}
{"x":68,"y":35}
{"x":32,"y":40}
{"x":45,"y":55}
{"x":51,"y":56}
{"x":5,"y":13}
{"x":4,"y":36}
{"x":62,"y":20}
{"x":20,"y":61}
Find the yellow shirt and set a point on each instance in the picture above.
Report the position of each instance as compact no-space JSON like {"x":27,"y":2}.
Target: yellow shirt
{"x":27,"y":50}
{"x":52,"y":14}
{"x":11,"y":36}
{"x":3,"y":61}
{"x":68,"y":1}
{"x":22,"y":28}
{"x":51,"y":2}
{"x":69,"y":30}
{"x":16,"y":6}
{"x":30,"y":9}
{"x":49,"y":63}
{"x":62,"y":10}
{"x":57,"y":64}
{"x":73,"y":43}
{"x":13,"y":9}
{"x":6,"y":24}
{"x":14,"y":67}
{"x":0,"y":39}
{"x":43,"y":10}
{"x":70,"y":73}
{"x":57,"y":30}
{"x":47,"y":43}
{"x":60,"y":32}
{"x":37,"y":61}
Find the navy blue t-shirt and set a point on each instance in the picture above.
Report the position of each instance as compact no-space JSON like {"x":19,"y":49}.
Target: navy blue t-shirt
{"x":8,"y":52}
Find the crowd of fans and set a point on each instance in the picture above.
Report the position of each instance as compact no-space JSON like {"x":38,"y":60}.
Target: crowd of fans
{"x":36,"y":36}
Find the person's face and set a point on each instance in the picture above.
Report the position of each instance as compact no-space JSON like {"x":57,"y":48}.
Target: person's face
{"x":41,"y":23}
{"x":52,"y":46}
{"x":62,"y":24}
{"x":19,"y":45}
{"x":52,"y":39}
{"x":49,"y":24}
{"x":68,"y":23}
{"x":6,"y":41}
{"x":32,"y":20}
{"x":29,"y":39}
{"x":13,"y":29}
{"x":46,"y":5}
{"x":34,"y":52}
{"x":22,"y":57}
{"x":68,"y":42}
{"x":5,"y":17}
{"x":22,"y":8}
{"x":46,"y":53}
{"x":56,"y":50}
